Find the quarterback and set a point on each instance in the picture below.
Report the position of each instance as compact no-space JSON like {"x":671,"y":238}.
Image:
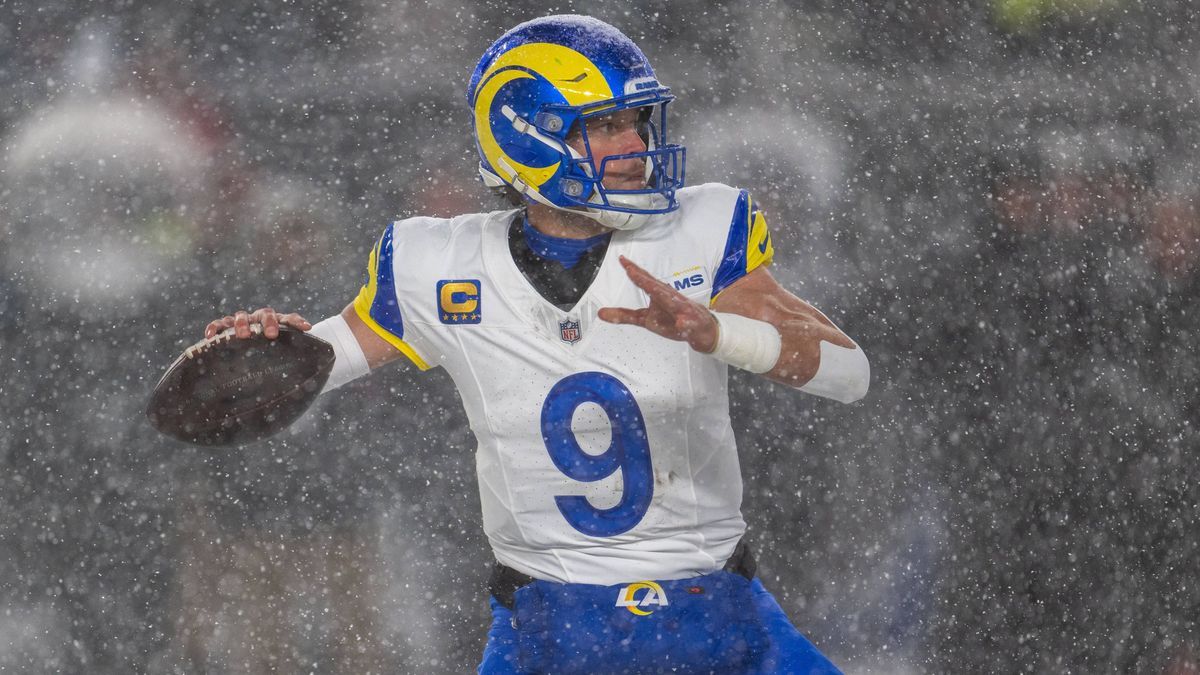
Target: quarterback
{"x":589,"y":331}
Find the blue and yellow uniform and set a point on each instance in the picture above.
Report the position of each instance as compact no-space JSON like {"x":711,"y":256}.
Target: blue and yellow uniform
{"x":607,"y":468}
{"x":605,"y":457}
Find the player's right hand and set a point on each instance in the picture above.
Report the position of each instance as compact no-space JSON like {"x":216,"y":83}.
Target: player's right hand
{"x":268,"y":318}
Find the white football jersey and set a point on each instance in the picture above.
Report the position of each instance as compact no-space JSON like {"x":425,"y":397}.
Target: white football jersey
{"x":605,"y":453}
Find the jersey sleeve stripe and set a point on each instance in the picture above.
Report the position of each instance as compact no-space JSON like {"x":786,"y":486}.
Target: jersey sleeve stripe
{"x":748,"y":246}
{"x":404,"y":347}
{"x":761,"y":250}
{"x":377,"y":303}
{"x":733,"y":262}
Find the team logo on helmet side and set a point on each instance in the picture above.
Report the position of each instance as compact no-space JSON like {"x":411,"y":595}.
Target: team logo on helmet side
{"x":527,"y":72}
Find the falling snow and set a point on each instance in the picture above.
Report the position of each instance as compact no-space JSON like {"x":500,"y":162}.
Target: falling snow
{"x":999,"y":199}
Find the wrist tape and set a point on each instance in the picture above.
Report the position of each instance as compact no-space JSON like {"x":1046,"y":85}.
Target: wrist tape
{"x":747,"y":343}
{"x":349,"y":360}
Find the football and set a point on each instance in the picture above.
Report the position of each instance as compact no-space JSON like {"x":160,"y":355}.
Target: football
{"x":230,"y":391}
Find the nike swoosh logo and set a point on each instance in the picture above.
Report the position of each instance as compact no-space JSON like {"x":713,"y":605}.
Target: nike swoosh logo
{"x":577,"y":78}
{"x":762,"y":246}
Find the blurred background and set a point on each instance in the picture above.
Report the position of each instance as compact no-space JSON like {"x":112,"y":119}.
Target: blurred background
{"x":996,"y":198}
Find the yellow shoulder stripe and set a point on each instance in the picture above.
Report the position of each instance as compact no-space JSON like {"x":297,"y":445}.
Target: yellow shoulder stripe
{"x":362,"y":307}
{"x":759,"y":250}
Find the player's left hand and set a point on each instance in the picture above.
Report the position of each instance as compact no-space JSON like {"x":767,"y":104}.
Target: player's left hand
{"x":669,"y":313}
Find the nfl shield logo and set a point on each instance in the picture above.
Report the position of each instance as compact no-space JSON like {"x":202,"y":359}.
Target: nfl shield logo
{"x":569,"y":331}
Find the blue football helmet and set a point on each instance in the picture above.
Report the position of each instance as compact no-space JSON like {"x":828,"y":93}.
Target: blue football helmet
{"x":541,"y":82}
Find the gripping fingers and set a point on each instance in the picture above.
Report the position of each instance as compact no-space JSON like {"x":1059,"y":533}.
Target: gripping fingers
{"x":269,"y":319}
{"x":295,"y":321}
{"x":270,"y":323}
{"x":241,"y":324}
{"x":217,"y":326}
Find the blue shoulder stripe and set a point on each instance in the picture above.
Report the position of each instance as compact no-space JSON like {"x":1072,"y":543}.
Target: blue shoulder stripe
{"x":385,"y":310}
{"x":733,"y":263}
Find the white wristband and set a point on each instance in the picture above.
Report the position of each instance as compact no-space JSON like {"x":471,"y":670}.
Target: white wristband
{"x":747,"y":343}
{"x":350,"y":362}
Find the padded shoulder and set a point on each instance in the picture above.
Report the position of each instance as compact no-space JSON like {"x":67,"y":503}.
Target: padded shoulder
{"x":407,"y":253}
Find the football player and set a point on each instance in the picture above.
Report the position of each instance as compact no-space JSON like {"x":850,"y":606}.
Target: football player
{"x":589,"y":331}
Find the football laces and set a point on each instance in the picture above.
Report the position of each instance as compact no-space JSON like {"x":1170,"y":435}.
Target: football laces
{"x":220,"y":338}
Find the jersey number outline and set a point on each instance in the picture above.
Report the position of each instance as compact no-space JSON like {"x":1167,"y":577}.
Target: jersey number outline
{"x":629,"y":451}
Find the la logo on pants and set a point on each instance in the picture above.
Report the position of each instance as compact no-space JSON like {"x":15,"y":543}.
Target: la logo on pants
{"x":654,"y":595}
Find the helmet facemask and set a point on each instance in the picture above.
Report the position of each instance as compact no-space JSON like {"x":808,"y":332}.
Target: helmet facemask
{"x":582,"y":184}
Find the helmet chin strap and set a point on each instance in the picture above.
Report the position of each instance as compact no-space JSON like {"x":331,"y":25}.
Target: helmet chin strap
{"x":616,"y":219}
{"x":620,"y":220}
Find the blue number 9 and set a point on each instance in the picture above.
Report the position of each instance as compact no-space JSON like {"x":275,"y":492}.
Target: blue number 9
{"x":629,"y":451}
